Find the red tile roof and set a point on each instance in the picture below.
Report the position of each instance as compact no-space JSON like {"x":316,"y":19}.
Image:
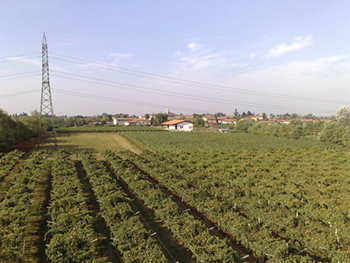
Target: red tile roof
{"x":173,"y":122}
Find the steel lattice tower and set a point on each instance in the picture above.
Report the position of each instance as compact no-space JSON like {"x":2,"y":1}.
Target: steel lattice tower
{"x":46,"y":109}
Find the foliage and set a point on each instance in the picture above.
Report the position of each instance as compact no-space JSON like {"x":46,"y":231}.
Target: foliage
{"x":12,"y":132}
{"x":70,"y":234}
{"x":198,"y":122}
{"x":343,"y":115}
{"x":209,"y":141}
{"x":128,"y":234}
{"x":243,"y":125}
{"x":14,"y":208}
{"x":193,"y":233}
{"x":277,"y":203}
{"x":335,"y":132}
{"x":8,"y":161}
{"x":159,"y":118}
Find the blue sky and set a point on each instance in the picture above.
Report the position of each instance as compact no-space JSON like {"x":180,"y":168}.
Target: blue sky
{"x":251,"y":51}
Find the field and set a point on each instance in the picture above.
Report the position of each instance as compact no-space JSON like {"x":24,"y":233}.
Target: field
{"x":97,"y":143}
{"x":168,"y":197}
{"x":109,"y":129}
{"x":210,"y":141}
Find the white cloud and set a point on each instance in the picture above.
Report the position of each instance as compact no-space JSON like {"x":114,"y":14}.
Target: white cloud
{"x":252,"y":56}
{"x":35,"y":62}
{"x":194,"y":46}
{"x":300,"y":76}
{"x":208,"y":60}
{"x":120,"y":55}
{"x":297,"y":44}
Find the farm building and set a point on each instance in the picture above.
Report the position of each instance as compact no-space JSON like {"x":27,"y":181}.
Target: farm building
{"x":121,"y":121}
{"x":227,"y":121}
{"x":137,"y":122}
{"x":210,"y":119}
{"x":178,"y":125}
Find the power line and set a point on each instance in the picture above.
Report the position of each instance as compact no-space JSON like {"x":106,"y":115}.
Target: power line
{"x":18,"y":94}
{"x":22,"y":55}
{"x":20,"y":77}
{"x":175,"y":94}
{"x":189,"y":82}
{"x":17,"y":74}
{"x":92,"y":96}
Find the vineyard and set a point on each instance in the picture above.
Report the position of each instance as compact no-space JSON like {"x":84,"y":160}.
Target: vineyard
{"x":209,"y":141}
{"x":177,"y":204}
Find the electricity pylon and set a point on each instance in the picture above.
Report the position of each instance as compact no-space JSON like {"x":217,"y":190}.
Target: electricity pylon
{"x":46,"y":109}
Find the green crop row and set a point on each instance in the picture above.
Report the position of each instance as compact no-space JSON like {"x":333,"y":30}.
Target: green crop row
{"x":15,"y":207}
{"x":216,"y":142}
{"x":299,"y":194}
{"x":8,"y":161}
{"x":70,"y":228}
{"x":194,"y":234}
{"x":289,"y":192}
{"x":128,"y":234}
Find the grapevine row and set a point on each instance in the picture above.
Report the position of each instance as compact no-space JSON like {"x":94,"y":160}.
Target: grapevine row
{"x":15,"y":207}
{"x":8,"y":161}
{"x":251,"y":234}
{"x":70,"y":230}
{"x":287,"y":206}
{"x":128,"y":234}
{"x":192,"y":232}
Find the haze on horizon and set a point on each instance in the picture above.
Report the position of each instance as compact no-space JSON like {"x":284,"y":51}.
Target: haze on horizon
{"x":295,"y":48}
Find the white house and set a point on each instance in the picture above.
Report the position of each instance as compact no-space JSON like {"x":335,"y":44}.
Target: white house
{"x":227,"y":121}
{"x":178,"y":125}
{"x":121,"y":121}
{"x":137,"y":122}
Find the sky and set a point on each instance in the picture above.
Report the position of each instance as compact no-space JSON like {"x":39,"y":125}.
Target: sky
{"x":189,"y":56}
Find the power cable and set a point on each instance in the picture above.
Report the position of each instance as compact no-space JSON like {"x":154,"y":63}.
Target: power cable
{"x":188,"y":82}
{"x":20,"y":77}
{"x":18,"y":94}
{"x":18,"y":74}
{"x":23,"y":55}
{"x":92,"y":96}
{"x":176,"y":94}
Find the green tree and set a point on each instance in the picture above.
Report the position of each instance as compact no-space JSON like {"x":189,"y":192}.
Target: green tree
{"x":243,"y":126}
{"x":343,"y":115}
{"x":198,"y":122}
{"x":219,"y":114}
{"x":159,"y":118}
{"x":333,"y":132}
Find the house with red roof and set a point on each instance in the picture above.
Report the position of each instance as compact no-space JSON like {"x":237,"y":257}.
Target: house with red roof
{"x":178,"y":125}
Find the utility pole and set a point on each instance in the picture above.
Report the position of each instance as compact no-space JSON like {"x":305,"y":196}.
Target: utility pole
{"x":46,"y":109}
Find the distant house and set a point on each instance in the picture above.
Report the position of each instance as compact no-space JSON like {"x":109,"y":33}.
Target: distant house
{"x":178,"y":125}
{"x":121,"y":121}
{"x":227,"y":121}
{"x":170,"y":115}
{"x":210,"y":119}
{"x":137,"y":122}
{"x":251,"y":118}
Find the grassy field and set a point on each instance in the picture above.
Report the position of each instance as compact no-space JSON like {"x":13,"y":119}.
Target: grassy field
{"x":98,"y":142}
{"x":109,"y":129}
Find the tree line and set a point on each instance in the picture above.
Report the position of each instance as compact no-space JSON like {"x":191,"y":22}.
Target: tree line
{"x":336,"y":131}
{"x":16,"y":130}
